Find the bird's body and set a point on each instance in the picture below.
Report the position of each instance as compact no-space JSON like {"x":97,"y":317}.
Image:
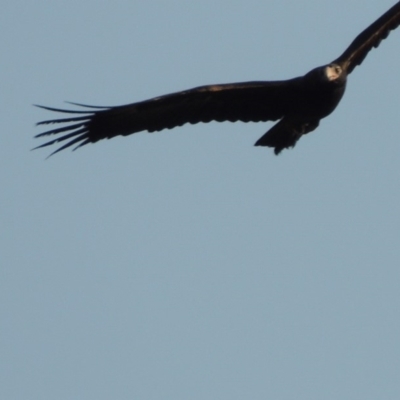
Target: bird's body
{"x":299,"y":103}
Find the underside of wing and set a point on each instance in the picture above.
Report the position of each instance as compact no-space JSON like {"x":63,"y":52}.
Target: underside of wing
{"x":371,"y":37}
{"x":248,"y":101}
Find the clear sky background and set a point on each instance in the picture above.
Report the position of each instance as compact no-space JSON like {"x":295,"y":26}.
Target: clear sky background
{"x":188,"y":264}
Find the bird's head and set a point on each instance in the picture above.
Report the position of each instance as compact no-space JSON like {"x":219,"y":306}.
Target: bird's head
{"x":333,"y":72}
{"x":331,"y":75}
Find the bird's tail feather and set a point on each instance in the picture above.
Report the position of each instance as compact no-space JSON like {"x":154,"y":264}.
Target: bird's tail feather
{"x":285,"y":134}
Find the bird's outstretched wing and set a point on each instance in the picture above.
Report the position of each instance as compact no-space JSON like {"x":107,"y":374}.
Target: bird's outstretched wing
{"x":371,"y":37}
{"x":248,"y":101}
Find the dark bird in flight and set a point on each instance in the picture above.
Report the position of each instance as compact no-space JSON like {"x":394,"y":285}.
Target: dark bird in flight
{"x":299,"y":103}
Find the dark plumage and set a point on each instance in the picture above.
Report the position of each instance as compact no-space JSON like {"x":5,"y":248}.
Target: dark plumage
{"x":299,"y":104}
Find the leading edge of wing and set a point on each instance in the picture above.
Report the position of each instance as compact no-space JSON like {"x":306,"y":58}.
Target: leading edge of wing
{"x":369,"y":38}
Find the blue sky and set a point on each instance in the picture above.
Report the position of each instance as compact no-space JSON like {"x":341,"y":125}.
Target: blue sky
{"x":188,"y":264}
